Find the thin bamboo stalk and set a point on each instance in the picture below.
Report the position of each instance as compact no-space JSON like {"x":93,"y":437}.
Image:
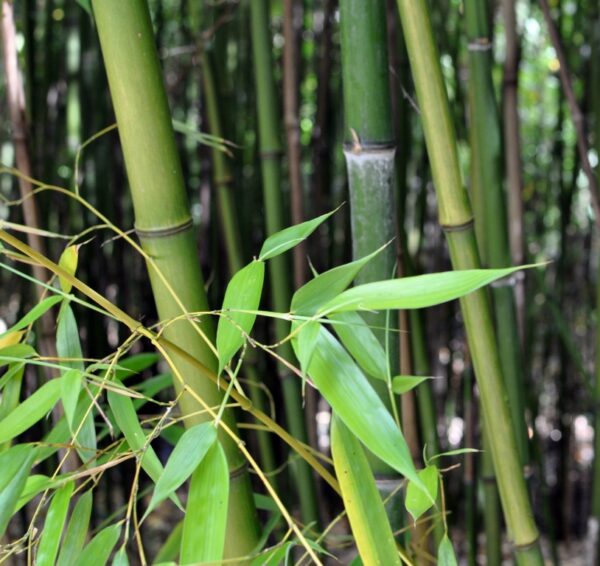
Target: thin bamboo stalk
{"x":164,"y":225}
{"x":456,"y":219}
{"x":270,"y":153}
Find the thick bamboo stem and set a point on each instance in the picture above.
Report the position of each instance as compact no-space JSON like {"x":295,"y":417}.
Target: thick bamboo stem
{"x":164,"y":226}
{"x":456,"y":218}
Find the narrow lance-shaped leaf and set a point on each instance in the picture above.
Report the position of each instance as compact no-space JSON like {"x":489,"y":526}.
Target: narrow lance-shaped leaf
{"x":203,"y":538}
{"x":417,"y":502}
{"x":287,"y":238}
{"x":187,"y":455}
{"x":76,"y":530}
{"x":356,"y":403}
{"x":36,"y":312}
{"x":54,"y":525}
{"x":15,"y":465}
{"x":415,"y":292}
{"x":446,"y":556}
{"x":328,"y":285}
{"x":362,"y":501}
{"x":98,"y":550}
{"x":68,"y":261}
{"x":30,"y":411}
{"x":11,"y":338}
{"x":243,"y":293}
{"x":70,"y":387}
{"x":403,"y":383}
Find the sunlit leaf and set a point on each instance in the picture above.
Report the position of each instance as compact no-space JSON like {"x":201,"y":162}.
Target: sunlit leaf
{"x":417,"y":502}
{"x":76,"y":530}
{"x":68,"y":261}
{"x":362,"y":501}
{"x":243,"y":293}
{"x":187,"y":454}
{"x":415,"y":292}
{"x":11,"y":338}
{"x":54,"y":525}
{"x":287,"y":238}
{"x":30,"y":411}
{"x":203,"y":538}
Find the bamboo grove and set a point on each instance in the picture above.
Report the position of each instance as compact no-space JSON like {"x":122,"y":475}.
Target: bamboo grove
{"x":299,"y":282}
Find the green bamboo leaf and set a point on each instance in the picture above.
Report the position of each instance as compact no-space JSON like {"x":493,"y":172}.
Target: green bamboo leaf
{"x":362,"y":501}
{"x":70,"y":387}
{"x":36,"y":483}
{"x":15,"y":465}
{"x":54,"y":525}
{"x":15,"y":371}
{"x":415,"y":292}
{"x":68,"y":261}
{"x":98,"y":550}
{"x":9,"y":354}
{"x":76,"y":530}
{"x":127,"y":420}
{"x":12,"y":381}
{"x":135,"y":364}
{"x":361,"y":342}
{"x":305,"y":341}
{"x":203,"y":538}
{"x":30,"y":411}
{"x":120,"y":558}
{"x":243,"y":293}
{"x":356,"y":403}
{"x":417,"y":502}
{"x":187,"y":455}
{"x":274,"y":556}
{"x":403,"y":383}
{"x":456,"y":452}
{"x":36,"y":312}
{"x":325,"y":287}
{"x":86,"y":5}
{"x":446,"y":556}
{"x":287,"y":238}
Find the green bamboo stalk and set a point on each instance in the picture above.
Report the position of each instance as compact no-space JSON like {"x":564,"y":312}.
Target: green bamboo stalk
{"x":457,"y":220}
{"x":490,"y":206}
{"x":279,"y":273}
{"x":164,"y":224}
{"x":369,"y":151}
{"x":231,"y":234}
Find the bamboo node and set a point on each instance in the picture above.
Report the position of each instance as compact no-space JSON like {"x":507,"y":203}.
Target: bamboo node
{"x":480,"y":44}
{"x":463,"y":226}
{"x":164,"y":232}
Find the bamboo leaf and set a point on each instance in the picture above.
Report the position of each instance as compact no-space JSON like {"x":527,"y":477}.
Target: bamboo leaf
{"x":86,"y":5}
{"x":446,"y":556}
{"x":54,"y":525}
{"x":120,"y":558}
{"x":362,"y":501}
{"x":417,"y":502}
{"x":274,"y":556}
{"x":68,"y":261}
{"x":187,"y":455}
{"x":415,"y":292}
{"x":36,"y":312}
{"x":305,"y":342}
{"x":98,"y":550}
{"x":9,"y":354}
{"x":76,"y":530}
{"x":15,"y":371}
{"x":328,"y":285}
{"x":133,"y":365}
{"x":456,"y":452}
{"x":356,"y":403}
{"x":10,"y":338}
{"x":15,"y":465}
{"x":70,"y":387}
{"x":287,"y":238}
{"x":203,"y":538}
{"x":30,"y":411}
{"x":361,"y":342}
{"x":243,"y":293}
{"x":403,"y":383}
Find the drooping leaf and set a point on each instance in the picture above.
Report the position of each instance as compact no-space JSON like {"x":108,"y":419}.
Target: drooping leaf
{"x":403,"y":383}
{"x":98,"y":550}
{"x":30,"y":411}
{"x":417,"y":502}
{"x":305,"y":339}
{"x":356,"y":403}
{"x":187,"y":455}
{"x":70,"y":387}
{"x":36,"y":312}
{"x":54,"y":525}
{"x":415,"y":292}
{"x":203,"y":538}
{"x":361,"y":342}
{"x":326,"y":286}
{"x":76,"y":530}
{"x":446,"y":556}
{"x":362,"y":501}
{"x":15,"y":465}
{"x":68,"y":261}
{"x":287,"y":238}
{"x":243,"y":293}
